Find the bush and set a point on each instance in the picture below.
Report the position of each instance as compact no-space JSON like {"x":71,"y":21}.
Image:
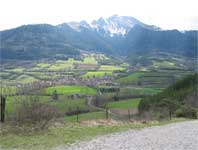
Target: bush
{"x":32,"y":111}
{"x":187,"y":111}
{"x":144,"y":105}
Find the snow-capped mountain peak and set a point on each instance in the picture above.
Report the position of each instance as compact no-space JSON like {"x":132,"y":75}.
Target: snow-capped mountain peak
{"x":77,"y":26}
{"x":114,"y":25}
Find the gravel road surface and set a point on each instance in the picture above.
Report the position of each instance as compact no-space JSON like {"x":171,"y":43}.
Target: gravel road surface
{"x":176,"y":136}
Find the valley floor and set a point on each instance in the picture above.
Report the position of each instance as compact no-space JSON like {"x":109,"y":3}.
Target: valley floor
{"x":176,"y":136}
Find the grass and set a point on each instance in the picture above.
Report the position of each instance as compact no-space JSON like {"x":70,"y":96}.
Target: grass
{"x":25,"y":79}
{"x":131,"y":78}
{"x":90,"y":60}
{"x":8,"y":90}
{"x":73,"y":89}
{"x":164,"y":64}
{"x":66,"y":134}
{"x":43,"y":65}
{"x":47,"y":75}
{"x":63,"y":104}
{"x":18,"y":70}
{"x":125,"y":104}
{"x":110,"y":68}
{"x":60,"y":66}
{"x":66,"y":105}
{"x":69,"y":64}
{"x":139,"y":91}
{"x":13,"y":102}
{"x":86,"y":116}
{"x":98,"y":74}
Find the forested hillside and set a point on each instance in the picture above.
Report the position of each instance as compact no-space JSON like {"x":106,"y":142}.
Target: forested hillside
{"x":179,"y":99}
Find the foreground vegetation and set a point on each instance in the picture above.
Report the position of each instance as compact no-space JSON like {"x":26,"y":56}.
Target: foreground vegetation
{"x":61,"y":134}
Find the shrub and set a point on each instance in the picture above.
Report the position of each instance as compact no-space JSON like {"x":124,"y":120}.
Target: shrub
{"x":187,"y":111}
{"x":32,"y":111}
{"x":55,"y":95}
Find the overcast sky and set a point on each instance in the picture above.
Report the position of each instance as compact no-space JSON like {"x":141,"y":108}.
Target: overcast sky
{"x":167,"y":14}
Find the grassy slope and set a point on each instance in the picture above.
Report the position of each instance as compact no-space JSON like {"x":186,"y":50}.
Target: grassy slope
{"x":164,"y":64}
{"x":110,"y":68}
{"x":25,"y":79}
{"x":98,"y":74}
{"x":131,"y":78}
{"x":139,"y":91}
{"x":90,"y":60}
{"x":67,"y":90}
{"x":129,"y":103}
{"x":70,"y":105}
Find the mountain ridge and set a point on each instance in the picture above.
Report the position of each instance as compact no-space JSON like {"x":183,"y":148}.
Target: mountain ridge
{"x":116,"y":35}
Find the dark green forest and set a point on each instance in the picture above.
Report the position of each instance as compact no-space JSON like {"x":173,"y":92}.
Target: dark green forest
{"x":179,"y":99}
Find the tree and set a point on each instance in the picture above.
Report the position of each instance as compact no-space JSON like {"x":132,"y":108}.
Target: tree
{"x":116,"y":96}
{"x":77,"y":112}
{"x":55,"y":95}
{"x":171,"y":105}
{"x":3,"y":104}
{"x":107,"y":111}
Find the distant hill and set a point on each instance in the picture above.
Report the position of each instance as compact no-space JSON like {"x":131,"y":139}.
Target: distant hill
{"x":180,"y":99}
{"x":116,"y":35}
{"x":142,"y":40}
{"x":34,"y":42}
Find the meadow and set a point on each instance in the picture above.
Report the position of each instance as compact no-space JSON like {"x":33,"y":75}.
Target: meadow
{"x":70,"y":89}
{"x":131,"y":78}
{"x":125,"y":104}
{"x":98,"y":74}
{"x":63,"y":104}
{"x":111,"y":68}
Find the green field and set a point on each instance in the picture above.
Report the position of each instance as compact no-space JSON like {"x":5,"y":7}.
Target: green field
{"x":125,"y":104}
{"x":138,"y":91}
{"x":73,"y":89}
{"x":164,"y":64}
{"x":110,"y":68}
{"x":18,"y":70}
{"x":61,"y":65}
{"x":90,"y":60}
{"x":98,"y":74}
{"x":63,"y":104}
{"x":25,"y":79}
{"x":131,"y":78}
{"x":69,"y":105}
{"x":13,"y":102}
{"x":43,"y":65}
{"x":8,"y":90}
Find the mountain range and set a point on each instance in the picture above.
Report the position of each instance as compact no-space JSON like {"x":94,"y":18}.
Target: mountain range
{"x":116,"y":35}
